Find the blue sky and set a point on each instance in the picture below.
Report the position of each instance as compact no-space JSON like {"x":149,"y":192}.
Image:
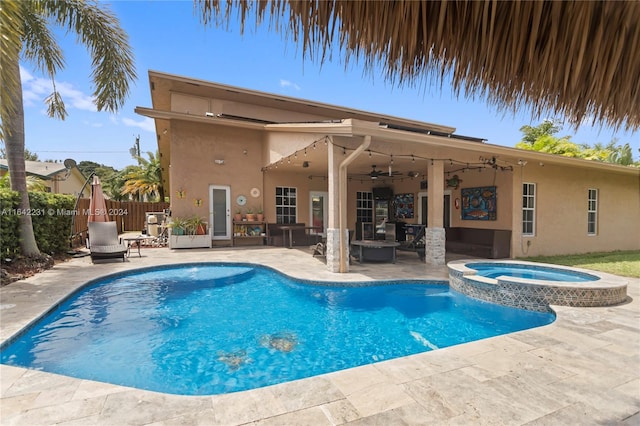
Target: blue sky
{"x":167,"y":36}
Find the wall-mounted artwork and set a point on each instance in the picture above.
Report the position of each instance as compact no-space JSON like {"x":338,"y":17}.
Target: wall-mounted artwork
{"x":404,"y":206}
{"x":479,"y":203}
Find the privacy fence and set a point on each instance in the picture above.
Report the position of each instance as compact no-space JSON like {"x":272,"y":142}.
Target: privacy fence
{"x":58,"y":223}
{"x":128,"y":215}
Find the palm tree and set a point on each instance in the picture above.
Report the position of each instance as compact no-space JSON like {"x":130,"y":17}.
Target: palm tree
{"x":145,"y":180}
{"x":33,"y":183}
{"x":25,"y":29}
{"x":621,"y":155}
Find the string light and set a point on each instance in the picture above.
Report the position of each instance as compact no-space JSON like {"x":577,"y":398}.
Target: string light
{"x":484,"y":162}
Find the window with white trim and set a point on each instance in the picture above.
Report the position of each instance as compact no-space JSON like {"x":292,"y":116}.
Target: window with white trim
{"x":364,"y":206}
{"x":592,"y":212}
{"x":286,"y":204}
{"x":528,"y":209}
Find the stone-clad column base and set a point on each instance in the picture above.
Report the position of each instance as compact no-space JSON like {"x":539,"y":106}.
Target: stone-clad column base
{"x":333,"y":249}
{"x":434,"y":246}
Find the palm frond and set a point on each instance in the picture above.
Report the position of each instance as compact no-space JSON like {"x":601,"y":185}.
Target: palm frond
{"x":573,"y":59}
{"x":111,"y":55}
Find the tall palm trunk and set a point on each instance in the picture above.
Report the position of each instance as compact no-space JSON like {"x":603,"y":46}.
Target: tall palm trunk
{"x":14,"y":145}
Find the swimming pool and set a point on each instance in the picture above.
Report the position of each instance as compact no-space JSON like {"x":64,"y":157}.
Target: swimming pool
{"x":535,"y":286}
{"x":202,"y":329}
{"x":537,"y":272}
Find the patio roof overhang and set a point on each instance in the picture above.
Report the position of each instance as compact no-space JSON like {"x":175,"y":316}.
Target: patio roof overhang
{"x":407,"y":143}
{"x":411,"y":151}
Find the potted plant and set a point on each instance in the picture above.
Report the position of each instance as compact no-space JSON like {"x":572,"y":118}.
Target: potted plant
{"x":178,"y":225}
{"x":188,"y":232}
{"x":237,"y":217}
{"x":196,"y":226}
{"x":260,"y":214}
{"x":251,"y":216}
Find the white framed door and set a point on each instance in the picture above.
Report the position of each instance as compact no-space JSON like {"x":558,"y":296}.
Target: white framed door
{"x":220,"y":212}
{"x":319,"y":211}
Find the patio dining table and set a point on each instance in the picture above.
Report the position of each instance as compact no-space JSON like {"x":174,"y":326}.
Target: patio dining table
{"x":372,"y":250}
{"x":291,"y":228}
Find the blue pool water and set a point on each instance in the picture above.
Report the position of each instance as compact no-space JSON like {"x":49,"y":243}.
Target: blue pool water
{"x":494,"y":270}
{"x":203,"y":329}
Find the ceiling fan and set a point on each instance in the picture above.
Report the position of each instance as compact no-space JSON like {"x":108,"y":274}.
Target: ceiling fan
{"x":374,"y":174}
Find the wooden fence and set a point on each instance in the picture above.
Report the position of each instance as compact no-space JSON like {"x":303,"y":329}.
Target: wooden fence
{"x":128,"y":215}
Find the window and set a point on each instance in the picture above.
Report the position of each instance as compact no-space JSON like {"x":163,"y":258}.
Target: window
{"x":528,"y":208}
{"x":592,"y":212}
{"x":286,"y":204}
{"x":364,"y":206}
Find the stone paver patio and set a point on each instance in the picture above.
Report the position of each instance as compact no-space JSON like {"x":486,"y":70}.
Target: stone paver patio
{"x":582,"y":369}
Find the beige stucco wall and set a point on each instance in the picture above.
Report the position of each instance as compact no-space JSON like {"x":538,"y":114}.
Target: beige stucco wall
{"x":502,"y":180}
{"x":561,"y":211}
{"x":561,"y":191}
{"x":561,"y":216}
{"x":194,"y":149}
{"x":303,"y":186}
{"x":72,"y":184}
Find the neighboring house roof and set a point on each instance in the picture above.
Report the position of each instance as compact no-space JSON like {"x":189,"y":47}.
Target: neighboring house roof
{"x":41,"y":169}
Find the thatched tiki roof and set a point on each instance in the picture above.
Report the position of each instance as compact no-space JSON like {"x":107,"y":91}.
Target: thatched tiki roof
{"x":577,"y":59}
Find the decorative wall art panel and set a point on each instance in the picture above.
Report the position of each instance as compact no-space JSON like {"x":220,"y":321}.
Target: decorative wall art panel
{"x":404,"y":206}
{"x":479,"y":203}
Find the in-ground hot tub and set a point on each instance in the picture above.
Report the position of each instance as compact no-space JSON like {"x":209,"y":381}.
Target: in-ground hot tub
{"x":535,"y":286}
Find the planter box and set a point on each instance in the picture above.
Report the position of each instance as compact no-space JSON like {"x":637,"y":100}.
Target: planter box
{"x":189,"y":241}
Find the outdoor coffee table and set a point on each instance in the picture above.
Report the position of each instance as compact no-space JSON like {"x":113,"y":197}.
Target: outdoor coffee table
{"x":130,"y":240}
{"x":370,"y":250}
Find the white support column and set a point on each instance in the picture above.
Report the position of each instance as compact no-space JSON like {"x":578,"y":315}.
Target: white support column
{"x":333,"y":228}
{"x":338,"y":237}
{"x":434,"y":234}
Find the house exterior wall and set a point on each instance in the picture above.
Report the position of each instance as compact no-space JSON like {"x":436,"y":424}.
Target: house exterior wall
{"x":561,"y":192}
{"x":503,"y":181}
{"x":71,"y":185}
{"x":194,"y":149}
{"x":561,"y":186}
{"x":303,"y":186}
{"x":561,"y":211}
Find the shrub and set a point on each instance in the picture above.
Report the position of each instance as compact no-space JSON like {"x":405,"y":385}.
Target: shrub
{"x":50,"y":216}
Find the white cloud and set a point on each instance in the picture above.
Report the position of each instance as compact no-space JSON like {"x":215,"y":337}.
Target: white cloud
{"x":75,"y":98}
{"x":146,"y":124}
{"x":93,"y":124}
{"x":35,"y":90}
{"x":287,"y":83}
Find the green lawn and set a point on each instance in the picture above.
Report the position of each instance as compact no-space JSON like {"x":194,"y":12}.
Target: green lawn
{"x":623,"y":263}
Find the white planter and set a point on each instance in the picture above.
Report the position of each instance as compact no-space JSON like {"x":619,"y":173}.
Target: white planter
{"x":189,"y":241}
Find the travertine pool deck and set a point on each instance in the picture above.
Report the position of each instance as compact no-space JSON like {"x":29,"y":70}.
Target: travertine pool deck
{"x":582,"y":369}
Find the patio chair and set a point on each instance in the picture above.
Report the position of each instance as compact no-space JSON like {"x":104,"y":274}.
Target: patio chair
{"x":416,"y":244}
{"x":104,"y":242}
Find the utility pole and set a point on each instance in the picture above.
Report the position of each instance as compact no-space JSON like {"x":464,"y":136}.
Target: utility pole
{"x":135,"y":150}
